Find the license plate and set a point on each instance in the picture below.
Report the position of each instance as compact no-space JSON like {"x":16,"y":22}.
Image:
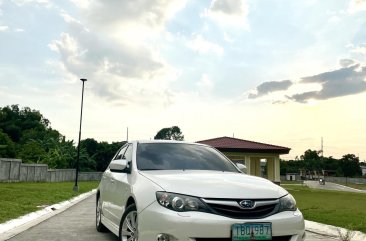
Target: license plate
{"x":251,"y":231}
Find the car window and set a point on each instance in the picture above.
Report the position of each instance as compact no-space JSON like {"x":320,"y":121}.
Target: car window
{"x":121,"y":153}
{"x":181,"y":156}
{"x":128,"y":154}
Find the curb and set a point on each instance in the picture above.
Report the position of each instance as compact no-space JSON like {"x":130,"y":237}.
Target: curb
{"x":331,"y":231}
{"x":351,"y":188}
{"x":15,"y":226}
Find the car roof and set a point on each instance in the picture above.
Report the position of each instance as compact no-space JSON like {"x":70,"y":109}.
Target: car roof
{"x":167,"y":141}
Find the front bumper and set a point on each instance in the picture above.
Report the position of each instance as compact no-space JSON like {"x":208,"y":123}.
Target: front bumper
{"x":187,"y":226}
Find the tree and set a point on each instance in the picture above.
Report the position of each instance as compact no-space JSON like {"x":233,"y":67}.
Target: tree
{"x":32,"y":152}
{"x":7,"y":146}
{"x":100,"y":152}
{"x":104,"y":154}
{"x":311,"y":160}
{"x":350,"y":165}
{"x":14,"y":121}
{"x":61,"y":154}
{"x":170,"y":133}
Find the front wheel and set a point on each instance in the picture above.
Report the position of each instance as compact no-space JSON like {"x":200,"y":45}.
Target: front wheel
{"x":98,"y":217}
{"x":128,"y":230}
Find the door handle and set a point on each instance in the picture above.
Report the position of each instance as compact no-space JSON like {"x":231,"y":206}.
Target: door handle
{"x":112,"y":181}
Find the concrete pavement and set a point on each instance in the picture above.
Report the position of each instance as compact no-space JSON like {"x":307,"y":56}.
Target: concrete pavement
{"x":332,"y":186}
{"x":78,"y":224}
{"x":74,"y":224}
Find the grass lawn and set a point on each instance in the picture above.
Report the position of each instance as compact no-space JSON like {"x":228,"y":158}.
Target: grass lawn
{"x":291,"y":182}
{"x":342,"y":209}
{"x":17,"y":199}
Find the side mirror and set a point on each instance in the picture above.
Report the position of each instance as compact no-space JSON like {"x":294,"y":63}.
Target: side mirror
{"x":118,"y":165}
{"x":242,"y":167}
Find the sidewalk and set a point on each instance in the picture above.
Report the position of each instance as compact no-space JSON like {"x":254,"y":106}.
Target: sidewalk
{"x":77,"y":223}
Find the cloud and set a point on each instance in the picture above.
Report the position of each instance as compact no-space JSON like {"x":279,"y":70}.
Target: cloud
{"x":203,"y":46}
{"x":81,"y":3}
{"x":145,"y":15}
{"x":3,"y":28}
{"x":341,"y":82}
{"x":120,"y":71}
{"x":361,"y":49}
{"x":346,"y":62}
{"x":83,"y":51}
{"x":232,"y":12}
{"x":24,"y":2}
{"x":357,"y":6}
{"x":205,"y":84}
{"x":269,"y":87}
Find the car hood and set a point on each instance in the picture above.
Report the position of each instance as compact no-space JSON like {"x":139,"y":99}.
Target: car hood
{"x":214,"y":184}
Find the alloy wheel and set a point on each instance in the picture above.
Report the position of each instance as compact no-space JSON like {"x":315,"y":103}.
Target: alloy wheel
{"x":129,"y":230}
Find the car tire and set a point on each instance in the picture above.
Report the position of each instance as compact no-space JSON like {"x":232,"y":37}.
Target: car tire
{"x":128,"y":229}
{"x":98,"y":217}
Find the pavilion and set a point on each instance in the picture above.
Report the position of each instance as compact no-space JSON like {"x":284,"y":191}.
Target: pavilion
{"x":251,"y":153}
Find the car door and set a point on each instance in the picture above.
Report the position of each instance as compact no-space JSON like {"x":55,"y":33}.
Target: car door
{"x":120,"y":187}
{"x":107,"y":187}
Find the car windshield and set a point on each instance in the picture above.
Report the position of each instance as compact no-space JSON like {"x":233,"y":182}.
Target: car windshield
{"x":181,"y":156}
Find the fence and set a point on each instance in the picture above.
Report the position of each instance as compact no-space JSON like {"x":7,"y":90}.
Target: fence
{"x":13,"y":170}
{"x":346,"y":180}
{"x":338,"y":179}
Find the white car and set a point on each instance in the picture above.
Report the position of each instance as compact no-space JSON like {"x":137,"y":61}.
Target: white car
{"x":170,"y":190}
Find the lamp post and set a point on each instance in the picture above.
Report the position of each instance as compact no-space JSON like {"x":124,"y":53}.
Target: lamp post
{"x":76,"y":188}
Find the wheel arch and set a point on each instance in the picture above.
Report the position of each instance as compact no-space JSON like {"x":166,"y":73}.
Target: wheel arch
{"x":98,"y":195}
{"x":130,"y":200}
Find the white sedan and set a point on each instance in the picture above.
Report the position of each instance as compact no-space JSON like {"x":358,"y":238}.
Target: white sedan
{"x":170,"y":190}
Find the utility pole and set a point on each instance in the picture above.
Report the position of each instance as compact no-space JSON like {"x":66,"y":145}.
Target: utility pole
{"x":322,"y":147}
{"x":76,"y":187}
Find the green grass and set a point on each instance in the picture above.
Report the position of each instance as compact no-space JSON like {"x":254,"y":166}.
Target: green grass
{"x":17,"y":199}
{"x":291,"y":182}
{"x":342,"y":209}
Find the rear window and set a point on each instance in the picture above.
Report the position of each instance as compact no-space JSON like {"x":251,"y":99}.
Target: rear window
{"x":181,"y":156}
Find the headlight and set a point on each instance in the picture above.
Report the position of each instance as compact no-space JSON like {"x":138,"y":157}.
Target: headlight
{"x":287,"y":203}
{"x":180,"y":203}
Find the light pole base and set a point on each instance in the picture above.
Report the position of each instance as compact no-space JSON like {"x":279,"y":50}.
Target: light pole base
{"x":76,"y":189}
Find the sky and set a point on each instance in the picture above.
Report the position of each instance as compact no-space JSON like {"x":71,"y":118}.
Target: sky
{"x":280,"y":72}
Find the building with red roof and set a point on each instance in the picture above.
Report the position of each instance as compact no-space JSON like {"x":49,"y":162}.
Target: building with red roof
{"x":250,"y":153}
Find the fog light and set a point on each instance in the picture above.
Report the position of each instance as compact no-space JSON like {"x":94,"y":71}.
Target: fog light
{"x":163,"y":237}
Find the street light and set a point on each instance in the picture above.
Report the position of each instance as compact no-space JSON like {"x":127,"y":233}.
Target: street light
{"x":76,"y":188}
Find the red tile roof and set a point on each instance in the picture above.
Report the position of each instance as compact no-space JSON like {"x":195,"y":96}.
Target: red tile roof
{"x":234,"y":144}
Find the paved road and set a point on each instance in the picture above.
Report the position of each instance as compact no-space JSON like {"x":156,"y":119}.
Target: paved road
{"x":77,"y":224}
{"x":332,"y":186}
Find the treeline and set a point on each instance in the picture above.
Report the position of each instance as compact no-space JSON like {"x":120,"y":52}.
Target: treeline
{"x":26,"y":134}
{"x":347,"y":166}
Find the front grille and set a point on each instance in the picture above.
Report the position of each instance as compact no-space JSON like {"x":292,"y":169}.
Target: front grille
{"x":232,"y":209}
{"x":278,"y":238}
